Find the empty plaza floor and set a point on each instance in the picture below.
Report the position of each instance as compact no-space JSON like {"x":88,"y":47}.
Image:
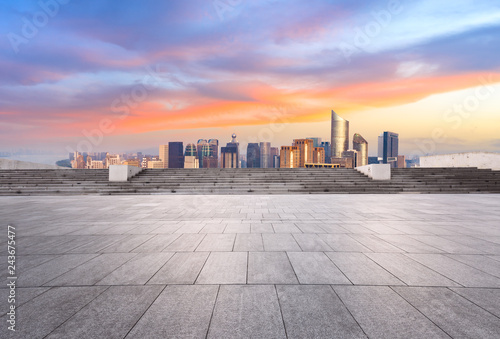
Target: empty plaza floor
{"x":282,"y":266}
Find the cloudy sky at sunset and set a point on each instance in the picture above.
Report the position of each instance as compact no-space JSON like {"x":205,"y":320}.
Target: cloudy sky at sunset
{"x":130,"y":75}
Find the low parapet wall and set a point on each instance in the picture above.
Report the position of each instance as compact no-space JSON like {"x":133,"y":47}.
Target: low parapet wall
{"x":482,"y":160}
{"x":376,"y":171}
{"x":7,"y":164}
{"x":122,"y":172}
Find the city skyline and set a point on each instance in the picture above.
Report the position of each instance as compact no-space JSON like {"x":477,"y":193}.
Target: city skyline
{"x":82,"y":76}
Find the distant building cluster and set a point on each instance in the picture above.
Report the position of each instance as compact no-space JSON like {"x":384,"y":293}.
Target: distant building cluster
{"x":308,"y":152}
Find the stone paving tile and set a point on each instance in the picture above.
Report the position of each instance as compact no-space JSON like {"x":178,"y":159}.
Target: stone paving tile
{"x":237,"y":228}
{"x":128,"y":244}
{"x":47,"y":271}
{"x":41,"y":315}
{"x":481,"y":262}
{"x":408,"y":244}
{"x":316,"y":268}
{"x":247,"y":311}
{"x":224,"y":268}
{"x":138,"y":270}
{"x":456,"y":271}
{"x":343,"y":243}
{"x":181,"y":311}
{"x":487,"y":298}
{"x":446,"y":245}
{"x":381,"y":313}
{"x":23,"y":295}
{"x":92,"y":271}
{"x":310,"y":228}
{"x":270,"y":268}
{"x":409,"y":271}
{"x":311,"y":243}
{"x":286,"y":228}
{"x":217,"y":242}
{"x":185,"y":243}
{"x":361,"y":270}
{"x":156,"y":244}
{"x":316,"y":312}
{"x":99,"y":243}
{"x":111,"y":315}
{"x":280,"y":242}
{"x":454,"y":314}
{"x":374,"y":243}
{"x":213,"y":228}
{"x":479,"y":244}
{"x":182,"y":268}
{"x":248,"y":242}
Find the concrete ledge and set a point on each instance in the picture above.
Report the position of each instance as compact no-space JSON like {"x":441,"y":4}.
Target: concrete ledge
{"x":122,"y":172}
{"x":8,"y":164}
{"x":483,"y":160}
{"x":376,"y":171}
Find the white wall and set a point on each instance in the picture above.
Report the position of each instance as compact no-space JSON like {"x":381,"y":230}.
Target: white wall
{"x":473,"y":159}
{"x":376,"y":171}
{"x":7,"y":164}
{"x":122,"y":172}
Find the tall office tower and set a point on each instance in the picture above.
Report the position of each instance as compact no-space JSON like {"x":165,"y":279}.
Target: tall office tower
{"x":175,"y":155}
{"x":388,"y":147}
{"x":276,"y":161}
{"x":253,"y":155}
{"x":265,"y":155}
{"x":319,"y":155}
{"x":230,"y":156}
{"x":306,"y":151}
{"x":203,"y":149}
{"x":164,"y":155}
{"x":340,"y":135}
{"x":213,"y":157}
{"x":360,"y":145}
{"x":233,"y":145}
{"x":289,"y":157}
{"x":353,"y":156}
{"x":316,"y":141}
{"x":275,"y":152}
{"x":401,"y":162}
{"x":191,"y":151}
{"x":328,"y":150}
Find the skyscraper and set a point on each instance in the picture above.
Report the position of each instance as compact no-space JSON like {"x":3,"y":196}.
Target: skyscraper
{"x":191,"y":151}
{"x":253,"y":155}
{"x":203,"y":149}
{"x":231,"y":154}
{"x":316,"y":141}
{"x":275,"y":154}
{"x":319,"y":155}
{"x":388,"y":147}
{"x":213,"y":157}
{"x":306,"y":151}
{"x":265,"y":155}
{"x":191,"y":157}
{"x":164,"y":155}
{"x":360,"y":145}
{"x":289,"y":157}
{"x":175,"y":155}
{"x":340,"y":135}
{"x":328,"y":150}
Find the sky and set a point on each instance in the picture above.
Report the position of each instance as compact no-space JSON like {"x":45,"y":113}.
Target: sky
{"x":125,"y":76}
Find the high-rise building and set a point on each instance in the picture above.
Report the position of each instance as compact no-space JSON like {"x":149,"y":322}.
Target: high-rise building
{"x":340,"y":135}
{"x":316,"y":141}
{"x":289,"y":157}
{"x":212,"y":161}
{"x":265,"y":155}
{"x":164,"y":156}
{"x":230,"y":158}
{"x":319,"y":155}
{"x":352,"y":154}
{"x":231,"y":154}
{"x":401,"y":162}
{"x":175,"y":155}
{"x":253,"y":155}
{"x":191,"y":151}
{"x":388,"y":147}
{"x":275,"y":153}
{"x":306,"y":151}
{"x":328,"y":150}
{"x":203,"y":149}
{"x":360,"y":145}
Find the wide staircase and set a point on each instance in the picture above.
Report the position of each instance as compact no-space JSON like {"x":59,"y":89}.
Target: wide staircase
{"x":248,"y":181}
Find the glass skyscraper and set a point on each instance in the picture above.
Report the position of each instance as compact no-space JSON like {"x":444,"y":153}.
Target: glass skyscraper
{"x":360,"y":145}
{"x":340,"y":135}
{"x":253,"y":155}
{"x":388,"y":148}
